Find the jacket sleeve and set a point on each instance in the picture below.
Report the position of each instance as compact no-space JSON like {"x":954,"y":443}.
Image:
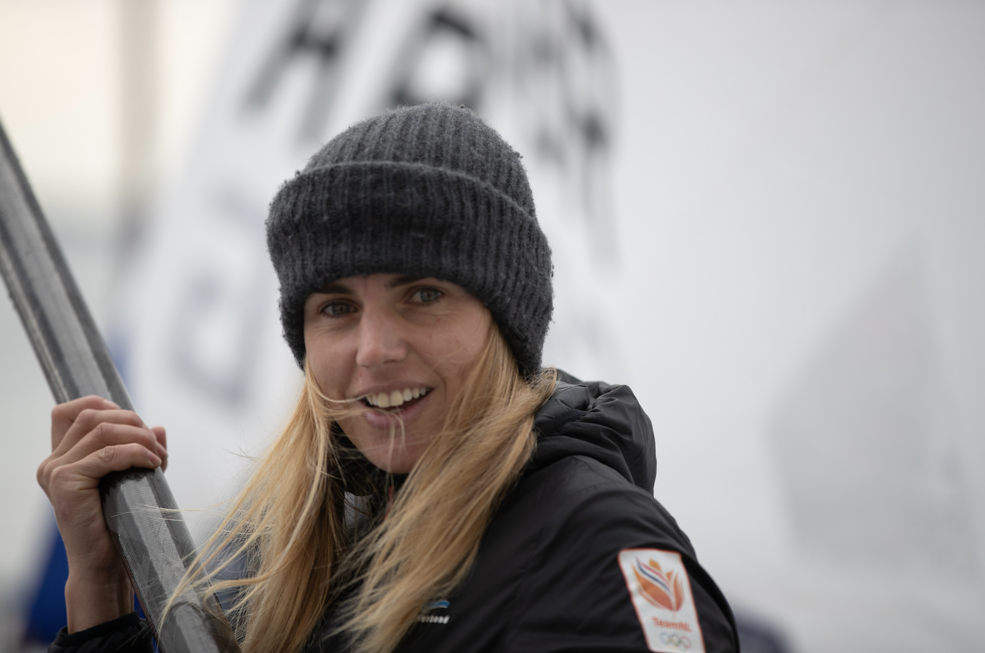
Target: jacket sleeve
{"x":128,"y":634}
{"x":576,"y":598}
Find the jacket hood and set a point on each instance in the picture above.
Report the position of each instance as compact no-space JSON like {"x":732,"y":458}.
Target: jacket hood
{"x":600,"y":421}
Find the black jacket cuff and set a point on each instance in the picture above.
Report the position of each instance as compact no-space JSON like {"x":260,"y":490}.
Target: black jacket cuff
{"x":126,"y":634}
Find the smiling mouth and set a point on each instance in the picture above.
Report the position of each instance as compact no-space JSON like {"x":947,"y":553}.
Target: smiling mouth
{"x":396,"y":400}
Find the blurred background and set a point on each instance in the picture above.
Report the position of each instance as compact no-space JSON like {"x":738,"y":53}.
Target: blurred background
{"x":767,"y":217}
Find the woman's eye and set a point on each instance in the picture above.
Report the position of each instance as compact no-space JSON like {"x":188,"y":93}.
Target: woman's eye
{"x":427,"y":295}
{"x":337,"y":309}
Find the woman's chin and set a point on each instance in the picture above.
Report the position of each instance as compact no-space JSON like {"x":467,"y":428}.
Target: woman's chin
{"x":391,"y":448}
{"x":395,"y":460}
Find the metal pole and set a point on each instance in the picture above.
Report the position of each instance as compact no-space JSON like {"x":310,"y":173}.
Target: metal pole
{"x":137,"y":504}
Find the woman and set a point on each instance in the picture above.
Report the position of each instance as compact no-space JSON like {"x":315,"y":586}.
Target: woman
{"x":434,"y":489}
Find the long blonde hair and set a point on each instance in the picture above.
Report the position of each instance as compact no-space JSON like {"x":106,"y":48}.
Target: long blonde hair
{"x":289,"y":521}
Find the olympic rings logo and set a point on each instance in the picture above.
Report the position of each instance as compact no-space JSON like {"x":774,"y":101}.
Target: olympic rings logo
{"x":680,"y":642}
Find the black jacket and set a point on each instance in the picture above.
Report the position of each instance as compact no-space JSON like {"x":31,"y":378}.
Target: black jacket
{"x":547,"y":577}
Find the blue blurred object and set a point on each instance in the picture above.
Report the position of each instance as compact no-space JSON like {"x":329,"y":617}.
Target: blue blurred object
{"x":46,"y":613}
{"x":46,"y":604}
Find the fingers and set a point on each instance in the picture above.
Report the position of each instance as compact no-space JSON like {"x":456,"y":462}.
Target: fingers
{"x":64,"y":415}
{"x":161,"y":435}
{"x":87,"y":426}
{"x":85,"y":473}
{"x":115,"y":458}
{"x":105,"y":449}
{"x":58,"y":476}
{"x":99,"y":425}
{"x":162,"y":440}
{"x":118,"y":428}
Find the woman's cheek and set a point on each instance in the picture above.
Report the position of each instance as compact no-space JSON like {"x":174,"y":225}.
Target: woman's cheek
{"x":337,"y":367}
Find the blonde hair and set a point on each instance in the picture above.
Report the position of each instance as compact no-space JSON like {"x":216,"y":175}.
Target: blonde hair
{"x":289,"y":521}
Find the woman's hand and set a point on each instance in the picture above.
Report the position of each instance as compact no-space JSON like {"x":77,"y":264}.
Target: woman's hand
{"x":91,"y":437}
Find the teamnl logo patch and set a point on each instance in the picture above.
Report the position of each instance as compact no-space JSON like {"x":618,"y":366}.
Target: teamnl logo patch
{"x":661,"y":593}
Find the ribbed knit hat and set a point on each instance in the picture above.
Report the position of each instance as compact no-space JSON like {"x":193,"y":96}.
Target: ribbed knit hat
{"x":430,"y":191}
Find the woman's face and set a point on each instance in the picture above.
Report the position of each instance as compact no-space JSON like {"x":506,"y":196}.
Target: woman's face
{"x":400,"y":344}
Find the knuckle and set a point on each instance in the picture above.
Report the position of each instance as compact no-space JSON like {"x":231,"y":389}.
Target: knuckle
{"x":110,"y":454}
{"x":102,"y":432}
{"x":132,"y":419}
{"x":42,"y":474}
{"x":56,"y":476}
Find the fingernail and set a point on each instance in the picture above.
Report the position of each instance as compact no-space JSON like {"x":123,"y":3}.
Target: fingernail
{"x":110,"y":404}
{"x":156,"y":460}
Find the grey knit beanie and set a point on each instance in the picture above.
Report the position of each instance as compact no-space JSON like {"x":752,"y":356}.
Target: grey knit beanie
{"x":430,"y":191}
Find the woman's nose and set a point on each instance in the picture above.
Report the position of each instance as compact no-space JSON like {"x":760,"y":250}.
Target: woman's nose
{"x":380,"y":339}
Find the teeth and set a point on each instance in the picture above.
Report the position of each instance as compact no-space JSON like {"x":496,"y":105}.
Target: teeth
{"x":395,"y":398}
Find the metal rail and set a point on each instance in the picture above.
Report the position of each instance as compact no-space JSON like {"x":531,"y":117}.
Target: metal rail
{"x":137,"y":504}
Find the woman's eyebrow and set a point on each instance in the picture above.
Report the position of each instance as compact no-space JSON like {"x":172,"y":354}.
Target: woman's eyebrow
{"x":404,"y":280}
{"x":332,"y":288}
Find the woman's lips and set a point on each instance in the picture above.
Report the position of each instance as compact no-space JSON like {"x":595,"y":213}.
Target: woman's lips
{"x":386,"y":418}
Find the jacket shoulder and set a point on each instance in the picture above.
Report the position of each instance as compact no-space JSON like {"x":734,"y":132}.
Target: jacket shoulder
{"x":575,"y":592}
{"x":583,"y":492}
